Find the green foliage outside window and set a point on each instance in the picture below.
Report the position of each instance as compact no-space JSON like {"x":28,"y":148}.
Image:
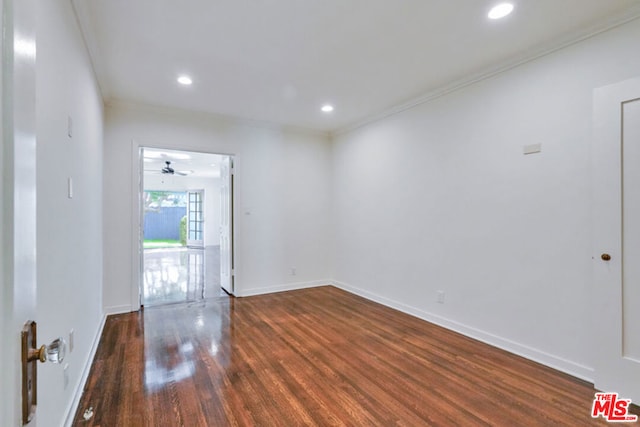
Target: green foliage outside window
{"x":183,"y":231}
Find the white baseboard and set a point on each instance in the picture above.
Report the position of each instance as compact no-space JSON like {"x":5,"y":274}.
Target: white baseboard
{"x":118,"y":309}
{"x":77,"y":395}
{"x":558,"y":363}
{"x":282,"y":288}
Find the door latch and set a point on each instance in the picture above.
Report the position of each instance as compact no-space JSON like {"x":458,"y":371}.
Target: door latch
{"x":53,"y":352}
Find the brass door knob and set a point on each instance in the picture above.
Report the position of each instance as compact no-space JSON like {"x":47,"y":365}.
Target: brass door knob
{"x":37,"y":354}
{"x":605,"y":257}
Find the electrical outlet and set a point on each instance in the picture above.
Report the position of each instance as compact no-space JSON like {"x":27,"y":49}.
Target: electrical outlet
{"x":440,"y":297}
{"x":71,"y":336}
{"x":293,"y":271}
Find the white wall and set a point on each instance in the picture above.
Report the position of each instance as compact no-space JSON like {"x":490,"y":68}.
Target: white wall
{"x":441,"y":197}
{"x":282,"y":197}
{"x":211,"y":187}
{"x":69,"y":231}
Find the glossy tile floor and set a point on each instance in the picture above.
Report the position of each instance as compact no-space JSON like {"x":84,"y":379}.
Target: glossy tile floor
{"x":174,"y":275}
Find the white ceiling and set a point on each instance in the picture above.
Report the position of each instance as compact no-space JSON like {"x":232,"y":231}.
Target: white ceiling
{"x":189,"y":163}
{"x":278,"y":61}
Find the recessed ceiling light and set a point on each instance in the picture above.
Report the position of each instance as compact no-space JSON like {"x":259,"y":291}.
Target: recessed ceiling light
{"x":327,"y":108}
{"x":500,"y":11}
{"x":185,"y":80}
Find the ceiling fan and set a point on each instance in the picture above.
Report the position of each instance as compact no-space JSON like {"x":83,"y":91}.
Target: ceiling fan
{"x":168,"y":170}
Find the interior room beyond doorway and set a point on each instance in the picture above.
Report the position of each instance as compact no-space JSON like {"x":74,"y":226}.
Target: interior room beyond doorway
{"x":181,"y":212}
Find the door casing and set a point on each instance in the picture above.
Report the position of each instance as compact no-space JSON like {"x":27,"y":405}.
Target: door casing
{"x":137,"y":232}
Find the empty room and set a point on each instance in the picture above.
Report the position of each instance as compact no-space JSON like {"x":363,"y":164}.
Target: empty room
{"x":298,"y":213}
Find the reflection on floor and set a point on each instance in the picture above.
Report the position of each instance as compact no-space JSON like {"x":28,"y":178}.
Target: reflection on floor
{"x":173,"y":275}
{"x":314,"y":357}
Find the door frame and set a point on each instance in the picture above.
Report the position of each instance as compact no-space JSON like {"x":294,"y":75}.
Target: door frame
{"x":227,"y":272}
{"x":137,"y":214}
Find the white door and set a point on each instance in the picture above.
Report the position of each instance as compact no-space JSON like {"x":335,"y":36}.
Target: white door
{"x":18,"y":290}
{"x":195,"y":218}
{"x":616,"y":186}
{"x":226,"y":225}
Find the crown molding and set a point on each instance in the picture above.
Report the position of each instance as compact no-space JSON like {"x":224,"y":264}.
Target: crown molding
{"x":526,"y":57}
{"x":206,"y":116}
{"x":83,"y":18}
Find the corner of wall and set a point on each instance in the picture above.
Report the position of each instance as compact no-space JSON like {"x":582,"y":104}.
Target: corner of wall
{"x":281,"y":288}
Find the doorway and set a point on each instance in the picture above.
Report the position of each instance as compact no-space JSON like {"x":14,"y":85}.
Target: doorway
{"x":616,"y":238}
{"x":182,"y":203}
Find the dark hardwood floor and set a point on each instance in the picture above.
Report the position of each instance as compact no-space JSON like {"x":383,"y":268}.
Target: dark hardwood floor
{"x":314,"y":357}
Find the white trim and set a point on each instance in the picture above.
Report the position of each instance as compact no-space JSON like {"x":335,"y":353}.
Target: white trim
{"x":83,"y":18}
{"x":137,"y":250}
{"x":555,"y":362}
{"x":283,"y":288}
{"x":118,"y":309}
{"x":137,"y":183}
{"x":207,"y":116}
{"x":526,"y":57}
{"x":72,"y":408}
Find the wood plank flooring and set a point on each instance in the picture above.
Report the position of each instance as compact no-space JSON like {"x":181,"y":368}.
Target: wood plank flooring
{"x":314,"y":357}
